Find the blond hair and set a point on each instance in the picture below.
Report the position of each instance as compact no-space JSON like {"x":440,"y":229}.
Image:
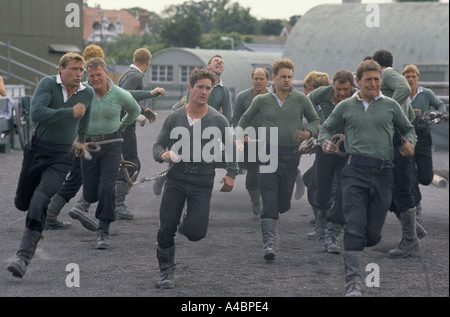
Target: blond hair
{"x":316,"y":79}
{"x":411,"y":69}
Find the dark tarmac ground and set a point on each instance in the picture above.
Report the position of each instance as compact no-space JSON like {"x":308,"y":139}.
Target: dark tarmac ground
{"x":229,"y":261}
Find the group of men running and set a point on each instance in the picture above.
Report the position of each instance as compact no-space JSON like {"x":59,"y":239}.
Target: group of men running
{"x":370,"y":154}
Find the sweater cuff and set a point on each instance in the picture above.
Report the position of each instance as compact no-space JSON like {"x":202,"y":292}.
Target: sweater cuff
{"x":81,"y":138}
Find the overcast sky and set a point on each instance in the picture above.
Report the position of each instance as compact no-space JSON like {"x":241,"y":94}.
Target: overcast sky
{"x":269,"y":9}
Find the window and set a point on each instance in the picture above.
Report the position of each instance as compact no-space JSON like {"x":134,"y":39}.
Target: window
{"x":185,"y":72}
{"x":162,"y":73}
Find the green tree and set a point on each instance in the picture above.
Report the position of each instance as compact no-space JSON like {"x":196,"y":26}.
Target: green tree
{"x":214,"y":41}
{"x":234,"y":19}
{"x":293,"y":19}
{"x":121,"y":50}
{"x":204,"y":11}
{"x":183,"y":31}
{"x":270,"y":26}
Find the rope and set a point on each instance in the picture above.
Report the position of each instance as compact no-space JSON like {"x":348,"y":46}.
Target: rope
{"x":94,"y":147}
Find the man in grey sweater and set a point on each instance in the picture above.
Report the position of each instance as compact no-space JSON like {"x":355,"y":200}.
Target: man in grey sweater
{"x":132,"y":79}
{"x":190,"y":179}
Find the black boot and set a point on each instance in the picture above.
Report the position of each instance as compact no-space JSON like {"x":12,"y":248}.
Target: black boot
{"x":26,"y":251}
{"x":421,"y":232}
{"x":80,"y":212}
{"x":268,"y":227}
{"x":330,"y":243}
{"x":255,"y":198}
{"x":409,"y":242}
{"x":353,"y":270}
{"x":103,"y":235}
{"x":166,"y":260}
{"x":54,"y":208}
{"x":121,"y":209}
{"x":321,"y":224}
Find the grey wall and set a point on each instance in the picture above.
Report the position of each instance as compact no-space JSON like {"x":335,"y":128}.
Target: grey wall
{"x":32,"y":25}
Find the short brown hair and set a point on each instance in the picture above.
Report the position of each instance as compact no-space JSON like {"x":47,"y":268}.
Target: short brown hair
{"x":92,"y":51}
{"x":95,"y":62}
{"x":141,"y":56}
{"x":343,"y":76}
{"x":66,"y":58}
{"x":198,"y":74}
{"x":366,"y":66}
{"x":282,"y":63}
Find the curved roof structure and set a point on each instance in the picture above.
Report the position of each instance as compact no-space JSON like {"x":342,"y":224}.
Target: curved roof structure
{"x":238,"y":64}
{"x":329,"y":38}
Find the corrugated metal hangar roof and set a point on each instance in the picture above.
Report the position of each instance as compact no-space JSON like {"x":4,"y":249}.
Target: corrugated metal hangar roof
{"x":329,"y":38}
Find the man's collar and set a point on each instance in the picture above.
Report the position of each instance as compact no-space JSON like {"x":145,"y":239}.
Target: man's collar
{"x":110,"y":83}
{"x":220,"y":83}
{"x":380,"y":95}
{"x":135,"y":67}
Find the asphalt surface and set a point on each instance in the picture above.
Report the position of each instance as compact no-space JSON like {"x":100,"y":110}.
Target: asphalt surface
{"x":229,"y":262}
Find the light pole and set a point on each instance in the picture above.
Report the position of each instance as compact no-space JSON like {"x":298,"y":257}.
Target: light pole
{"x":102,"y":14}
{"x":226,"y":38}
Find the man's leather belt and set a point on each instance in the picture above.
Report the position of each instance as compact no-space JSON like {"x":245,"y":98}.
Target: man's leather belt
{"x":194,"y":169}
{"x":102,"y":137}
{"x":369,"y":162}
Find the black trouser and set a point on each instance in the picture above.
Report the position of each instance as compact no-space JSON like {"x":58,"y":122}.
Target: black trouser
{"x":366,"y":196}
{"x":44,"y":168}
{"x":402,"y":194}
{"x":422,"y":171}
{"x":73,"y":182}
{"x":129,"y":151}
{"x":328,"y":170}
{"x":99,"y":179}
{"x":251,"y":178}
{"x":276,"y":188}
{"x":185,"y":184}
{"x":310,"y":180}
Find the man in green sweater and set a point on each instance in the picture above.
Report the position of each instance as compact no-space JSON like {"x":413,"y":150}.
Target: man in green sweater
{"x":394,"y":85}
{"x":100,"y":172}
{"x":260,"y":78}
{"x":60,"y":107}
{"x":327,"y":168}
{"x":422,"y":100}
{"x":281,"y":112}
{"x":369,"y":120}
